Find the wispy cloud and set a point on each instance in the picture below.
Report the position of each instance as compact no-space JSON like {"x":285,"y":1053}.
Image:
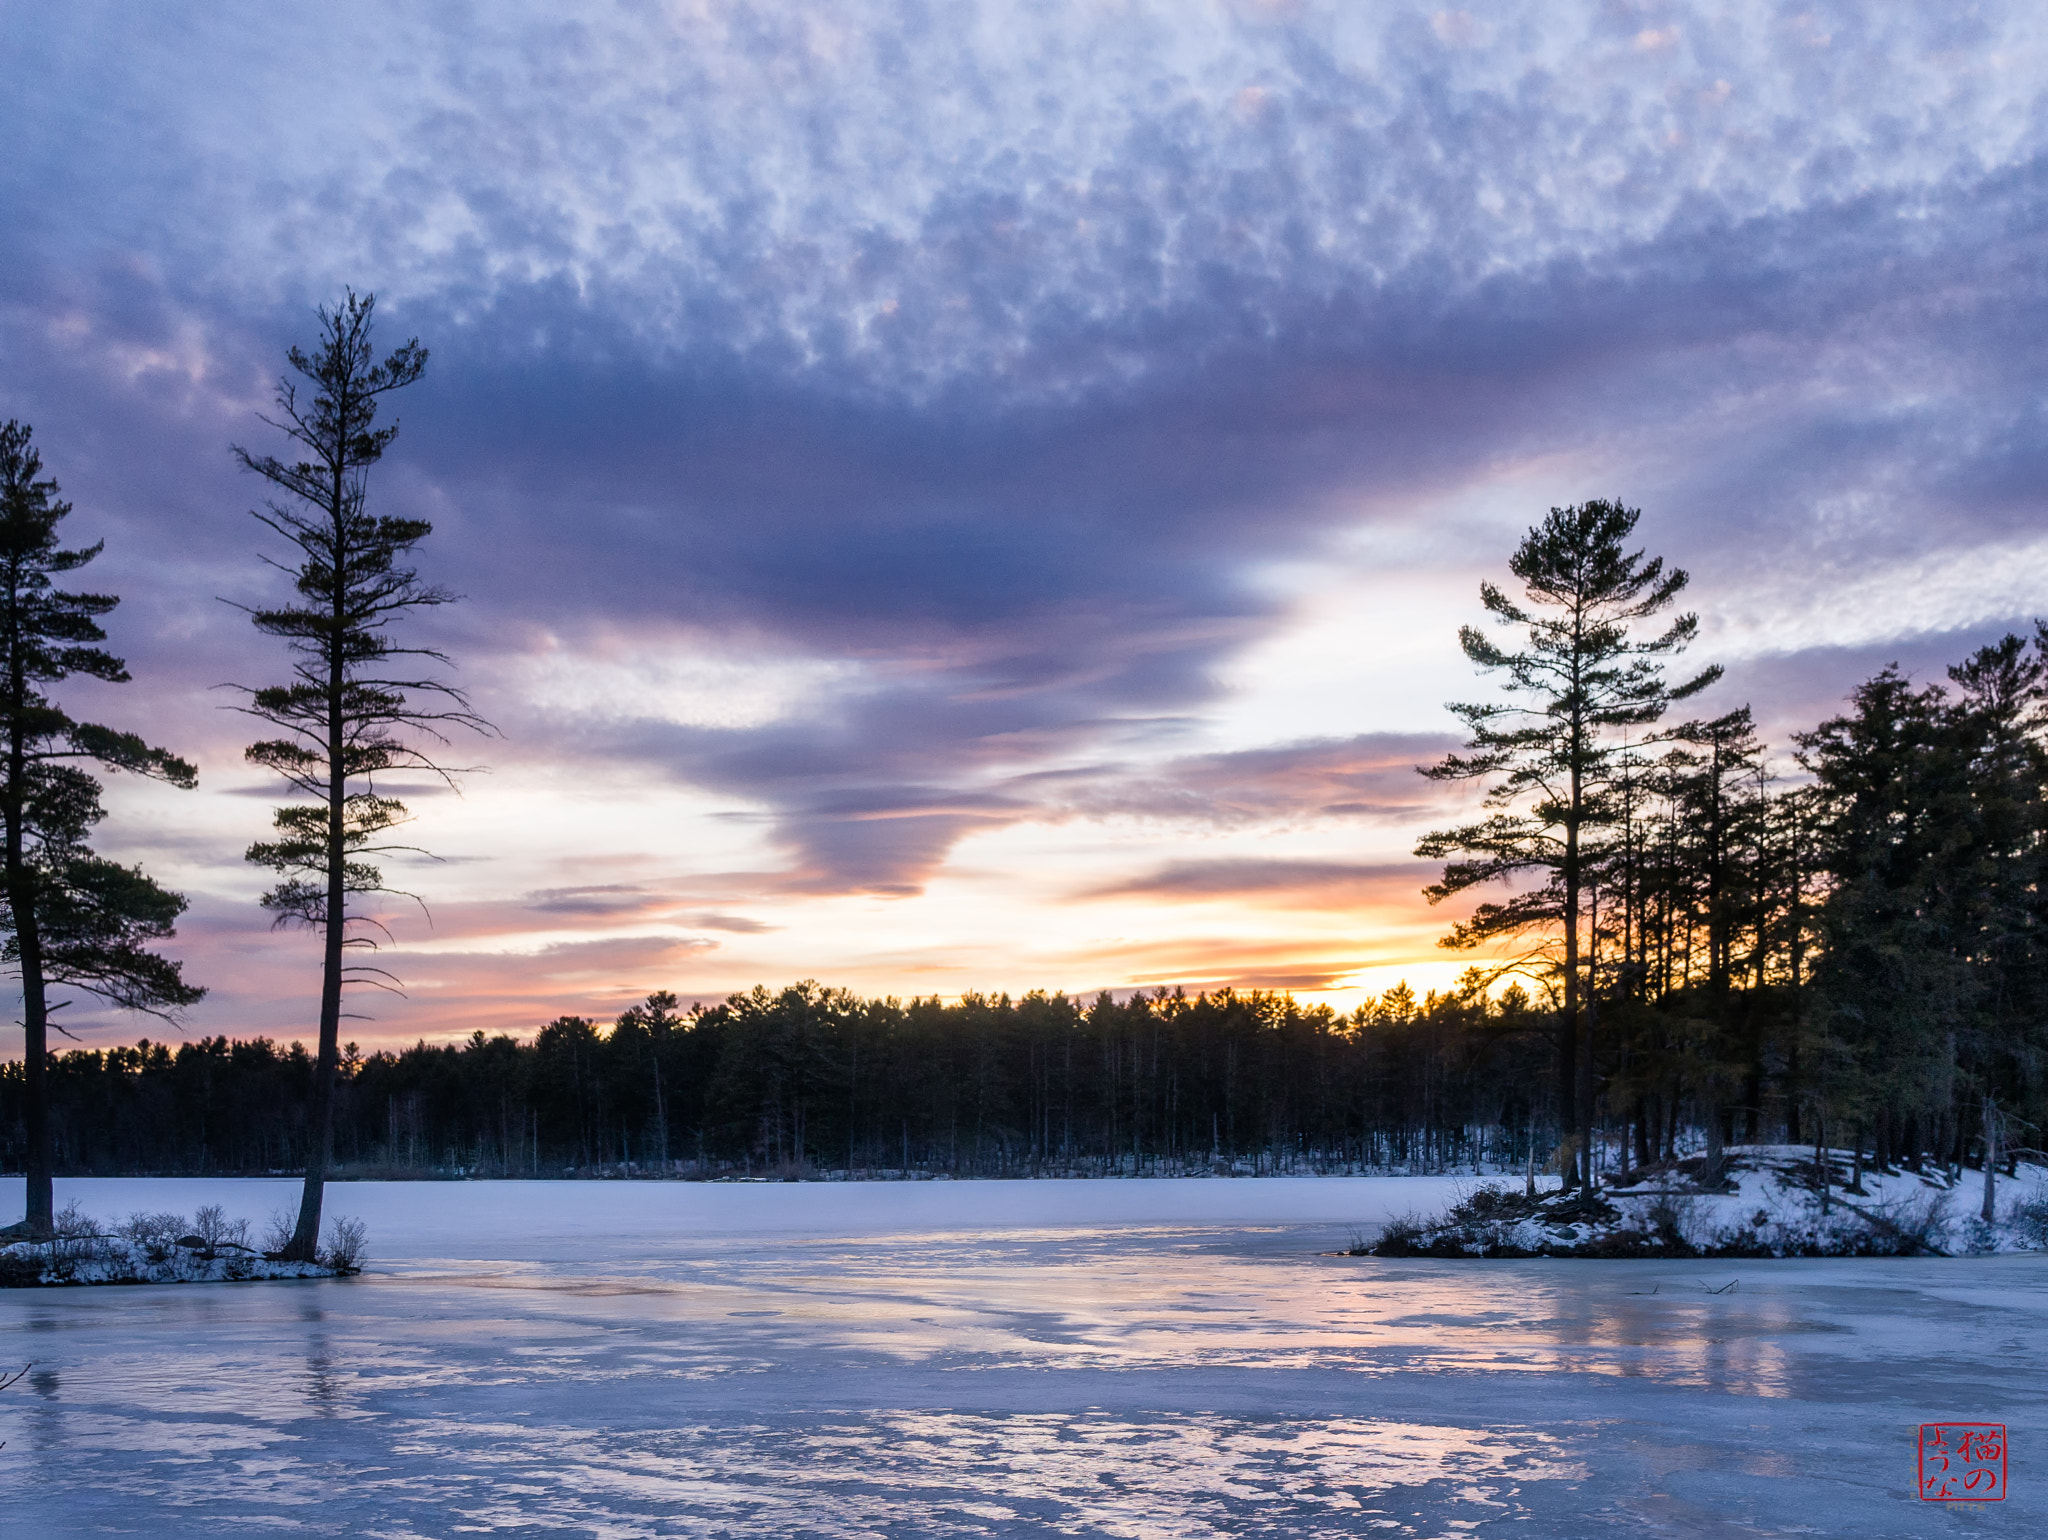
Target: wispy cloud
{"x":1277,"y":883}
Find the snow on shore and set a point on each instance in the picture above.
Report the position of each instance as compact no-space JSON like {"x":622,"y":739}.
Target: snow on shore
{"x":1761,"y":1201}
{"x":166,"y":1248}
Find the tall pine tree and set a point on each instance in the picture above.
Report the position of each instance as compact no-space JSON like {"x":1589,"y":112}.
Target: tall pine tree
{"x":357,"y":699}
{"x":72,"y":918}
{"x":1549,"y":753}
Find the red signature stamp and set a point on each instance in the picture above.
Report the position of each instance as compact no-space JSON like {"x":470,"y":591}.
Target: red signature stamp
{"x":1962,"y":1462}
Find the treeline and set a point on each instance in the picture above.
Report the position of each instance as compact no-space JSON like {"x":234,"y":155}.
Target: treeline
{"x":1854,"y":950}
{"x":809,"y":1080}
{"x":1686,"y":943}
{"x":1848,"y":947}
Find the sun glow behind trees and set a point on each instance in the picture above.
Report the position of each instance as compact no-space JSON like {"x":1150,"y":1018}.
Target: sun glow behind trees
{"x":1861,"y":950}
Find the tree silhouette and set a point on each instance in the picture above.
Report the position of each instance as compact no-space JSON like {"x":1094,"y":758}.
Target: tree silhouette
{"x":71,"y":917}
{"x":1550,"y":752}
{"x":355,"y":691}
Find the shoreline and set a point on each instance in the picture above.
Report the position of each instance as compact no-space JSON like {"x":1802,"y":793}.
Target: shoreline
{"x":1751,"y":1202}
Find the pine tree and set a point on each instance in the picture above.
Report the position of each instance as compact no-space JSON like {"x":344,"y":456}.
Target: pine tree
{"x":1893,"y":792}
{"x":1720,"y":802}
{"x":355,"y":691}
{"x":72,"y":918}
{"x":1550,"y":753}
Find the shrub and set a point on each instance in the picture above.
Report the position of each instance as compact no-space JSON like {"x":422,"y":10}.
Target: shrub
{"x":346,"y":1244}
{"x":76,"y":1240}
{"x":212,"y":1225}
{"x":155,"y":1234}
{"x":1492,"y":1204}
{"x":1669,"y":1221}
{"x":1907,"y":1227}
{"x":2030,"y":1218}
{"x":1399,"y":1235}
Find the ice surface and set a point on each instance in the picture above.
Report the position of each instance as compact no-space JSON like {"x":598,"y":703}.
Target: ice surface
{"x":1142,"y":1359}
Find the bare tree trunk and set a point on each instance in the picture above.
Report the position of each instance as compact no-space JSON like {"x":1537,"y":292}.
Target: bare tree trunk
{"x":39,"y":1216}
{"x":1584,"y":1098}
{"x":305,"y":1242}
{"x":1568,"y":1034}
{"x":1989,"y":1212}
{"x":1821,"y":1167}
{"x":661,"y":1115}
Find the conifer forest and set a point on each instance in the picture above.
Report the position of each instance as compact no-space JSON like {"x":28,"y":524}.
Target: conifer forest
{"x":1684,"y":938}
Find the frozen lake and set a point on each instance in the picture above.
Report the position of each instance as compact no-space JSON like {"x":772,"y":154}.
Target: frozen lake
{"x":1141,"y":1359}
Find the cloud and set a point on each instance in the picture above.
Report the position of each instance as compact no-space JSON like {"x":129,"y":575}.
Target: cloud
{"x":884,"y":433}
{"x":1307,"y":979}
{"x":1371,"y":776}
{"x":1272,"y":883}
{"x":606,"y":901}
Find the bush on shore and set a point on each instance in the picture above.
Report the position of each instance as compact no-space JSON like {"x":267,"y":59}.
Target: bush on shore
{"x":168,"y":1248}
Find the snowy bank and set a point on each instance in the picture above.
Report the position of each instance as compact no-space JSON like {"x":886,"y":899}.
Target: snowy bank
{"x":1757,"y":1201}
{"x":167,"y":1248}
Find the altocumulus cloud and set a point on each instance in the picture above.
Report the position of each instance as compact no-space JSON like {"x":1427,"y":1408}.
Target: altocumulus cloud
{"x":989,"y":356}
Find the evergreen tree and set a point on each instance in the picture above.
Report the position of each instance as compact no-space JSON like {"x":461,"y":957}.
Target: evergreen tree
{"x":1891,"y":985}
{"x":355,"y":691}
{"x":1551,"y":752}
{"x":72,"y":918}
{"x":1936,"y":805}
{"x":1996,"y":866}
{"x":1719,"y":801}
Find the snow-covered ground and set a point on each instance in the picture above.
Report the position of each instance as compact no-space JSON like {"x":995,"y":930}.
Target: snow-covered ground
{"x":1115,"y":1358}
{"x":1774,"y":1200}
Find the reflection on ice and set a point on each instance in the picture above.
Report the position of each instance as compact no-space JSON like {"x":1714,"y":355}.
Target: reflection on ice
{"x":1193,"y":1375}
{"x":936,"y":1472}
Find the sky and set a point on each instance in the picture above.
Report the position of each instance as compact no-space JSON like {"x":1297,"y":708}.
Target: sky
{"x":982,"y":496}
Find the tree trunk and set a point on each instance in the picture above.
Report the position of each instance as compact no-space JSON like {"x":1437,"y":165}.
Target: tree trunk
{"x":305,"y":1242}
{"x":1821,"y":1164}
{"x":1791,"y":1085}
{"x":1568,"y":1034}
{"x":1752,"y":1072}
{"x":39,"y":1215}
{"x":1584,"y":1098}
{"x":1989,"y":1212}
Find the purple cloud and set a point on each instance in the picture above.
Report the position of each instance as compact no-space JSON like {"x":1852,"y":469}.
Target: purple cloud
{"x":1002,"y":361}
